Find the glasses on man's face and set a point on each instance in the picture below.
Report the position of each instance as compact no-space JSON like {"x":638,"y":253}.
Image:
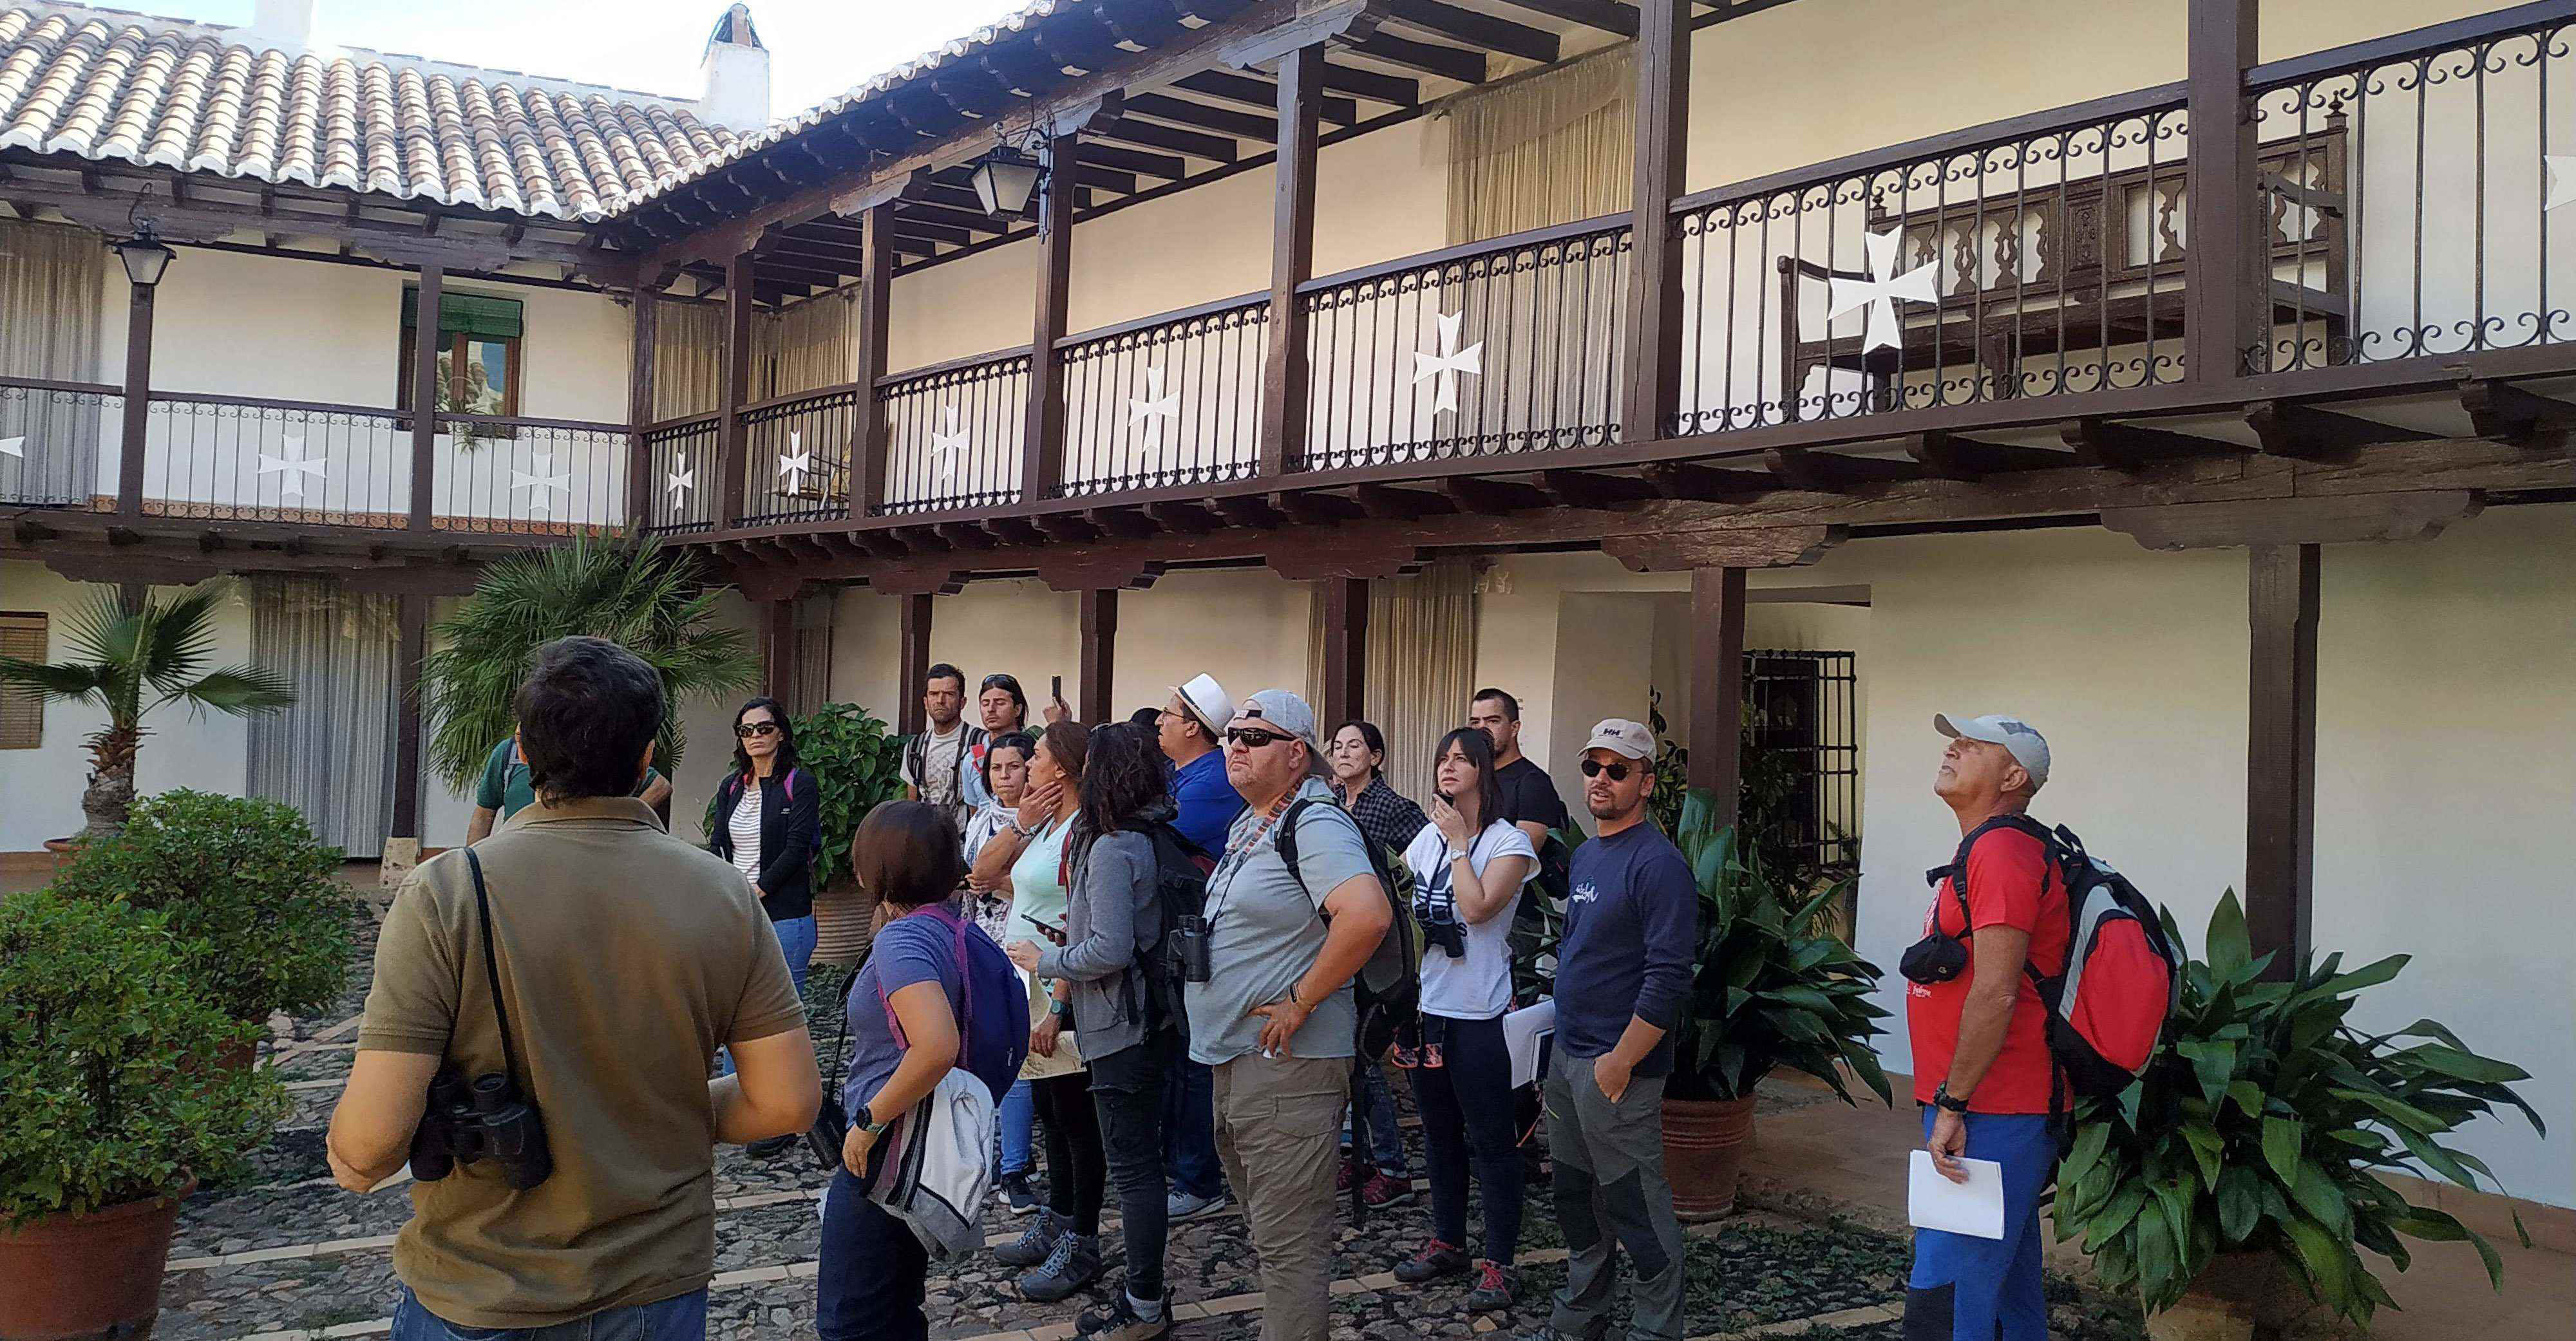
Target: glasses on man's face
{"x":1593,"y":768}
{"x":1252,"y":738}
{"x":747,"y":730}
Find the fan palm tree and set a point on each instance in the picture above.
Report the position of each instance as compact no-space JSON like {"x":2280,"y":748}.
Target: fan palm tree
{"x":651,"y":601}
{"x":131,"y":660}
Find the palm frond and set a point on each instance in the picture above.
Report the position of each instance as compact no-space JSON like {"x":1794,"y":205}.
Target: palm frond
{"x":179,"y":637}
{"x":237,"y":690}
{"x":77,"y":681}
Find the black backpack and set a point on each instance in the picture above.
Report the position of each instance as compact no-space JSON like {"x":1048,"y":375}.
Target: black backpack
{"x":1536,"y":915}
{"x":1181,"y":870}
{"x":1389,"y":985}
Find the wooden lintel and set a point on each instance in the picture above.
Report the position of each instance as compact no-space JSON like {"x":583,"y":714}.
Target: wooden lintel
{"x":2288,"y":428}
{"x":966,"y":535}
{"x":1185,"y":518}
{"x":1722,"y":547}
{"x":1388,"y":503}
{"x":1126,"y":523}
{"x":1247,"y":510}
{"x":1953,"y":457}
{"x":1018,"y":530}
{"x":2339,"y":519}
{"x":1109,"y":571}
{"x":769,"y":582}
{"x":1329,"y":557}
{"x":1831,"y":472}
{"x":1684,"y":481}
{"x":1066,"y":526}
{"x":917,"y":579}
{"x":2118,"y":446}
{"x":1315,"y":508}
{"x":2503,"y":412}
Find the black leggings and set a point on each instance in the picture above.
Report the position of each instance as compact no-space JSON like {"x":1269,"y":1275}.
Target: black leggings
{"x":1077,"y":1172}
{"x":1127,"y":1087}
{"x":1466,"y":1105}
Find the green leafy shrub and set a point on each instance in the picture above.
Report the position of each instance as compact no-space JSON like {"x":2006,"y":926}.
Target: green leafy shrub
{"x":111,"y":1090}
{"x":2261,"y":1126}
{"x":262,"y":920}
{"x":856,"y":762}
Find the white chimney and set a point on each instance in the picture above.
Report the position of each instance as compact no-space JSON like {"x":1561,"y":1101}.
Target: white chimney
{"x":286,"y":25}
{"x":734,"y":93}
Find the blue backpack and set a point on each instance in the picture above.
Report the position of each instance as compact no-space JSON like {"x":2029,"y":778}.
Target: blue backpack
{"x":993,"y":1023}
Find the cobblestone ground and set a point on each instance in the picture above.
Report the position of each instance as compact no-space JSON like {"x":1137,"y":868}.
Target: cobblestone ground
{"x":283,"y":1252}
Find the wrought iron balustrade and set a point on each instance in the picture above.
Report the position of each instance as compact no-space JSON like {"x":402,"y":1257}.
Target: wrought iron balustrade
{"x":799,"y":446}
{"x":955,"y":433}
{"x":59,"y":443}
{"x":680,"y":455}
{"x":1171,"y":399}
{"x":522,"y":476}
{"x":1510,"y":345}
{"x":242,"y":458}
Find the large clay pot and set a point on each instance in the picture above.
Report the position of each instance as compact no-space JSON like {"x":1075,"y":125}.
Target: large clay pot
{"x":1705,"y":1141}
{"x":2242,"y":1296}
{"x":842,"y":914}
{"x":82,"y":1276}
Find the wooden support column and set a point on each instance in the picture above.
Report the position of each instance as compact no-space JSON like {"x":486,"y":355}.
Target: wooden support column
{"x":876,"y":289}
{"x":640,"y":481}
{"x":1655,"y":294}
{"x":1099,"y":656}
{"x":778,"y":650}
{"x":138,"y":399}
{"x":1346,"y":603}
{"x":733,"y":460}
{"x":1716,"y":686}
{"x":2226,"y":280}
{"x":412,"y":645}
{"x":916,"y":663}
{"x":426,"y":351}
{"x":2281,"y":751}
{"x":1284,"y":395}
{"x":1042,"y":441}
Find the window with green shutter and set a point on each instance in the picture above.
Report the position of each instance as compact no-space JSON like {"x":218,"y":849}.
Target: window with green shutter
{"x":478,"y":351}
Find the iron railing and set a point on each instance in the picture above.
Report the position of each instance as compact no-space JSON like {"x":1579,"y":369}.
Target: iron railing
{"x":1172,"y":399}
{"x":242,"y":458}
{"x":681,"y":456}
{"x":59,"y":443}
{"x":800,"y":456}
{"x":529,"y":476}
{"x":1509,"y":345}
{"x":954,"y":433}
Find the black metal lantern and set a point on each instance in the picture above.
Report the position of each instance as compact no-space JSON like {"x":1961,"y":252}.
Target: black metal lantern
{"x":144,"y":257}
{"x":1006,"y":180}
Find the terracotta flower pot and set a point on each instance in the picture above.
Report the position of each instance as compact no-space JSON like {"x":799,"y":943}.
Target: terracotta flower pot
{"x":1705,"y":1141}
{"x":841,"y":917}
{"x":79,"y":1276}
{"x":2239,"y":1296}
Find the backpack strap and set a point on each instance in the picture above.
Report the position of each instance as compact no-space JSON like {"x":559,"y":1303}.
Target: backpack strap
{"x":1287,"y":843}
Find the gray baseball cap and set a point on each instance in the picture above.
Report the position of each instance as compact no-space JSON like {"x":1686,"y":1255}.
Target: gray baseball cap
{"x":1284,"y":710}
{"x":2029,"y":748}
{"x":1622,"y":737}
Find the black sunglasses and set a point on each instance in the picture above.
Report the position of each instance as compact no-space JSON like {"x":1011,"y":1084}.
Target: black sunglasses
{"x":749,"y":729}
{"x":1594,"y":768}
{"x":1253,"y":739}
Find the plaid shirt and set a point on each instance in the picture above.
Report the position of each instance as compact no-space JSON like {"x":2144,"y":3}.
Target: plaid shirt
{"x":1389,"y":820}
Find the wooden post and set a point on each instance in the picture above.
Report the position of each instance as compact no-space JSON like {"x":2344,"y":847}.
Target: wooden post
{"x":1717,"y":686}
{"x":138,"y":399}
{"x":876,"y":289}
{"x":1284,"y":393}
{"x":2281,"y":751}
{"x":1099,"y":656}
{"x":413,"y":645}
{"x":733,"y":447}
{"x":640,"y":482}
{"x":916,"y":664}
{"x":426,"y":348}
{"x":2226,"y":280}
{"x":1655,"y":297}
{"x":1345,"y":689}
{"x":1042,"y":440}
{"x":778,"y":650}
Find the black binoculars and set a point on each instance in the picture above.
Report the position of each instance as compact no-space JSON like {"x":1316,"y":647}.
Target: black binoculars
{"x":1190,"y":947}
{"x":1447,"y":933}
{"x":485,"y":1118}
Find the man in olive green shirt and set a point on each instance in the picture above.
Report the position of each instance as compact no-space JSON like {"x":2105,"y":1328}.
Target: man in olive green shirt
{"x":625,"y":958}
{"x":504,"y":790}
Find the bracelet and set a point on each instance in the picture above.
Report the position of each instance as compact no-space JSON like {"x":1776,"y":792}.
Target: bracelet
{"x":1292,"y":997}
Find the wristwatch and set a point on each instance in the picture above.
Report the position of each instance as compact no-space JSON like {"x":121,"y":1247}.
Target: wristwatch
{"x":1063,"y":1010}
{"x":1942,"y":1100}
{"x":875,"y":1129}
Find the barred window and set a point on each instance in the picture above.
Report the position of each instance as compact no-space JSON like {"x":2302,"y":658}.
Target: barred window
{"x":22,"y":711}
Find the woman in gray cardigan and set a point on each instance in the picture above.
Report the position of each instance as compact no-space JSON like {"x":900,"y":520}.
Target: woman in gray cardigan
{"x":1111,"y":927}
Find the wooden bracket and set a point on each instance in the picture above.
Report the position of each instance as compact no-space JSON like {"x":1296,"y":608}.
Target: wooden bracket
{"x":1681,"y":480}
{"x":1326,"y":555}
{"x":2115,"y":446}
{"x":1829,"y":472}
{"x":768,"y":582}
{"x":1476,"y":493}
{"x":1109,"y":571}
{"x":1313,"y":508}
{"x":2288,"y":428}
{"x":1594,"y":489}
{"x":2503,"y":412}
{"x":1953,"y":457}
{"x":930,"y":578}
{"x":2338,"y":519}
{"x":1722,"y":547}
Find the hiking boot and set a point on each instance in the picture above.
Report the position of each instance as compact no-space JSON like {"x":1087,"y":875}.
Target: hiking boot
{"x":1073,"y":1264}
{"x":1436,"y":1259}
{"x":1031,"y":1248}
{"x":1495,"y":1286}
{"x":1119,"y":1321}
{"x":1381,"y":1191}
{"x":1017,"y":1194}
{"x":1181,"y":1206}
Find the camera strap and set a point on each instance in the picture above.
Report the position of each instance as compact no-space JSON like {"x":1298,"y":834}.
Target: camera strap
{"x":492,"y":969}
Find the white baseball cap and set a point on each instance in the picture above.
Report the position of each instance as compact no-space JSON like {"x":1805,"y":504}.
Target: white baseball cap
{"x":1627,"y":739}
{"x":1207,"y":701}
{"x":2028,"y":747}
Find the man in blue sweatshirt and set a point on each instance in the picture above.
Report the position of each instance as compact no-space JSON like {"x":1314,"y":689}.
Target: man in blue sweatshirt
{"x":1623,"y":970}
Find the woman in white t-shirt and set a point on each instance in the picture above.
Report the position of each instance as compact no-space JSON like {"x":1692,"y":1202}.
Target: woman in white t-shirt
{"x":1468,"y":868}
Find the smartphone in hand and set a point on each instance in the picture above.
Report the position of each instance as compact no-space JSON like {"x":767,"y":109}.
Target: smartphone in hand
{"x":1054,"y":934}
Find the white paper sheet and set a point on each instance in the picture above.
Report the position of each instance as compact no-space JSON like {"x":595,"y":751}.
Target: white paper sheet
{"x":1525,"y":1034}
{"x":1975,"y":1207}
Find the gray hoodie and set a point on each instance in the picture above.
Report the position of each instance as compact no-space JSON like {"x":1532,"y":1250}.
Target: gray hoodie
{"x":1113,"y":918}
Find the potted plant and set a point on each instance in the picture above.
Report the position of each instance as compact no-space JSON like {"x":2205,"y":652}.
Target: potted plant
{"x":1772,"y":989}
{"x":856,"y":763}
{"x":261,"y":918}
{"x":111,"y":1106}
{"x":2248,"y":1155}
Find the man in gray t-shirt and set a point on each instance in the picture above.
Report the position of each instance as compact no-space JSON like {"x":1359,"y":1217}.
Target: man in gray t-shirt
{"x":1275,"y":1020}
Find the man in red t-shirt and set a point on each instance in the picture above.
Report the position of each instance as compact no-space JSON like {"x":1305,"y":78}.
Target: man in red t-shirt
{"x":1982,"y":1069}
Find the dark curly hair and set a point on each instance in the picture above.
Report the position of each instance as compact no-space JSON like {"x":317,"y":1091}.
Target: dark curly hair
{"x":786,"y":756}
{"x":1122,"y":778}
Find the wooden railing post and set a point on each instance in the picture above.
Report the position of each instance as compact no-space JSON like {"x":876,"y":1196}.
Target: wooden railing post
{"x":426,"y":348}
{"x":778,"y":650}
{"x":1716,"y":687}
{"x":2226,"y":283}
{"x":138,"y":400}
{"x":733,"y":462}
{"x":1099,"y":655}
{"x":2282,"y":594}
{"x":413,"y":613}
{"x":1345,"y":688}
{"x":867,"y":453}
{"x":1655,"y":297}
{"x":1284,"y":394}
{"x":640,"y":483}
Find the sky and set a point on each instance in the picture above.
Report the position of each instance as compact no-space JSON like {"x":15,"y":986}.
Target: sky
{"x":817,"y":48}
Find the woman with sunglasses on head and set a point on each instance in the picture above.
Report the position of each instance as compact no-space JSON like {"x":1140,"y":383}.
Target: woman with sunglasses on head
{"x":768,"y":823}
{"x":1468,"y":864}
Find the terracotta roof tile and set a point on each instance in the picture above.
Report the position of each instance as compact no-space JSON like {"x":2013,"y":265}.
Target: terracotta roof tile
{"x":104,"y":85}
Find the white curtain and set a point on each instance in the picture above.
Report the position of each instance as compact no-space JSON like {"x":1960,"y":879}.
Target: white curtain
{"x":688,"y":358}
{"x":330,"y":755}
{"x":1421,"y":665}
{"x":811,"y":344}
{"x":1553,"y":147}
{"x":50,"y":294}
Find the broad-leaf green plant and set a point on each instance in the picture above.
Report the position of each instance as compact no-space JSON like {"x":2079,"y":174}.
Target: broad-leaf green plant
{"x":856,"y":764}
{"x":2262,"y":1125}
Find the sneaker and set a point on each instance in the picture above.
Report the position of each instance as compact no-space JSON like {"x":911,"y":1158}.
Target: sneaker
{"x":1073,"y":1264}
{"x":1017,"y":1193}
{"x":1380,"y":1192}
{"x":771,"y":1148}
{"x":1031,"y":1248}
{"x":1181,"y":1206}
{"x":1119,"y":1322}
{"x":1495,"y":1286}
{"x":1551,"y":1333}
{"x":1348,"y":1174}
{"x":1436,"y":1259}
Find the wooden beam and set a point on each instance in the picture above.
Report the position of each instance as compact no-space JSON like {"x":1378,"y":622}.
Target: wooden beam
{"x":2118,"y":446}
{"x":1607,"y":16}
{"x":1292,"y":259}
{"x":2281,"y":755}
{"x":411,"y":644}
{"x":2338,"y":519}
{"x":1393,"y":90}
{"x":1674,"y":550}
{"x":914,"y":641}
{"x":1431,"y":58}
{"x":641,"y":486}
{"x":868,"y":445}
{"x":1476,"y":493}
{"x":426,"y":350}
{"x":733,"y":460}
{"x":1681,"y":480}
{"x":1172,"y":139}
{"x":778,"y":650}
{"x":136,"y":424}
{"x":1099,"y":655}
{"x":1042,"y":435}
{"x":1717,"y":687}
{"x":1314,"y":507}
{"x":1656,"y":295}
{"x":1477,"y":28}
{"x":1249,"y":90}
{"x":1203,"y":116}
{"x":1832,"y":472}
{"x":1346,"y":611}
{"x":2288,"y":428}
{"x":1953,"y":457}
{"x":1594,"y":489}
{"x":2504,"y":412}
{"x":2225,"y":314}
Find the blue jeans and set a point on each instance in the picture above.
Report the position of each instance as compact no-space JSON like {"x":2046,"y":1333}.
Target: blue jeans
{"x":1018,"y":1124}
{"x":1189,"y":1119}
{"x":1974,"y":1289}
{"x":1386,"y":1140}
{"x":683,"y":1318}
{"x":796,"y":937}
{"x":874,"y":1273}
